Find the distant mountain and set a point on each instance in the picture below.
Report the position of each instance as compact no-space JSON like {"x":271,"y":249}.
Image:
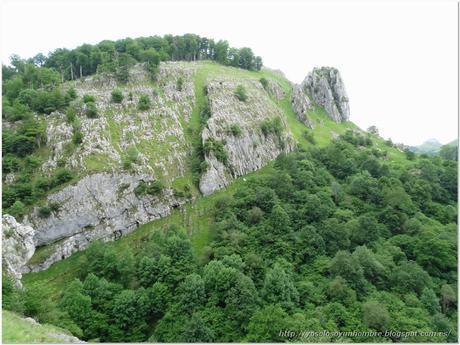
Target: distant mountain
{"x":430,"y":147}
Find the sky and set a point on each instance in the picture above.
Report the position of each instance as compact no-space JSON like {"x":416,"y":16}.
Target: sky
{"x":398,"y":59}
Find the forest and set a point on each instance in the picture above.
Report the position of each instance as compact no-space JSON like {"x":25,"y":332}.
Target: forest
{"x":328,"y":238}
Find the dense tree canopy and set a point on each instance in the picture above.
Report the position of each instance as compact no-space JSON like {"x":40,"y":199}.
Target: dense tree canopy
{"x":310,"y":245}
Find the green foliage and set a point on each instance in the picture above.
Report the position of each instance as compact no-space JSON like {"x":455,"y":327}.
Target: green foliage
{"x":89,"y":99}
{"x":179,"y":83}
{"x":117,"y":96}
{"x":272,"y":126}
{"x":240,"y":93}
{"x":217,"y":148}
{"x":91,"y":110}
{"x":44,"y":212}
{"x":308,"y":135}
{"x":130,"y":158}
{"x":150,"y":188}
{"x":144,"y":102}
{"x":264,"y":82}
{"x":235,"y":130}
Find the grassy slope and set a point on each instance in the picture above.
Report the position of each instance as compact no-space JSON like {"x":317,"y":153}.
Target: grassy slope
{"x":17,"y":330}
{"x":196,"y":217}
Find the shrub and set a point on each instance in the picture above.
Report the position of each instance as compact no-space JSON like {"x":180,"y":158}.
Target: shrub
{"x":217,"y":148}
{"x":179,"y":84}
{"x":130,"y":158}
{"x":309,"y":137}
{"x":144,"y":102}
{"x":71,"y":115}
{"x":44,"y":212}
{"x":264,"y":82}
{"x":77,"y":137}
{"x":71,"y":93}
{"x":272,"y":126}
{"x":117,"y":96}
{"x":62,"y":176}
{"x":235,"y":130}
{"x":91,"y":110}
{"x":240,"y":93}
{"x":151,"y":188}
{"x":89,"y":99}
{"x":18,"y":209}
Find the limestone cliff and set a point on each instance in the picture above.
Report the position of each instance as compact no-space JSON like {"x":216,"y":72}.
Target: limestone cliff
{"x":248,"y":148}
{"x":323,"y":87}
{"x":102,"y":201}
{"x":17,"y":247}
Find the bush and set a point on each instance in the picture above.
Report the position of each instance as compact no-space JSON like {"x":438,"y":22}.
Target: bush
{"x":144,"y":102}
{"x":117,"y":96}
{"x":91,"y":110}
{"x":44,"y":212}
{"x":179,"y":84}
{"x":264,"y":82}
{"x":151,"y":188}
{"x":272,"y":126}
{"x":18,"y":209}
{"x":240,"y":93}
{"x":217,"y":148}
{"x":89,"y":99}
{"x":77,"y":137}
{"x":71,"y":93}
{"x":234,"y":130}
{"x":309,"y":137}
{"x":62,"y":176}
{"x":130,"y":158}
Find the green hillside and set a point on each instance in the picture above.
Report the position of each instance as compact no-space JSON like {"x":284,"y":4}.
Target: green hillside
{"x":19,"y":330}
{"x":343,"y":232}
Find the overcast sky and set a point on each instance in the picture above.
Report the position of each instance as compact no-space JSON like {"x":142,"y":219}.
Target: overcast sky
{"x":398,"y":59}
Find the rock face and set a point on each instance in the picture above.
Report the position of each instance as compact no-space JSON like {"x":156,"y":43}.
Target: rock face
{"x":17,"y":246}
{"x":324,"y":87}
{"x":103,"y":204}
{"x":247,"y":148}
{"x":100,"y":206}
{"x":301,"y":103}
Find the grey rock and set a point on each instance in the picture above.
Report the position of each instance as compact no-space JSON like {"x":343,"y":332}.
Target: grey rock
{"x":249,"y":151}
{"x":100,"y":206}
{"x":301,"y":103}
{"x":323,"y":87}
{"x":17,"y":246}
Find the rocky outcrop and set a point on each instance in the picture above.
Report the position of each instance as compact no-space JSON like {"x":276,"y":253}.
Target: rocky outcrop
{"x":100,"y":206}
{"x":103,"y":203}
{"x":248,"y":148}
{"x":17,"y":246}
{"x":301,"y":103}
{"x":323,"y":87}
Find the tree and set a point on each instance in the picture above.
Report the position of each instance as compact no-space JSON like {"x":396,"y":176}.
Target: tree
{"x":128,"y":318}
{"x":430,"y":301}
{"x":267,"y":324}
{"x":375,"y":315}
{"x":448,"y":296}
{"x":76,"y":304}
{"x":197,"y":331}
{"x":346,"y":266}
{"x":279,"y":288}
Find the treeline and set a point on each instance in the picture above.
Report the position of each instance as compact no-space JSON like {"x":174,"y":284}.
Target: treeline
{"x":332,"y":239}
{"x":108,"y":55}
